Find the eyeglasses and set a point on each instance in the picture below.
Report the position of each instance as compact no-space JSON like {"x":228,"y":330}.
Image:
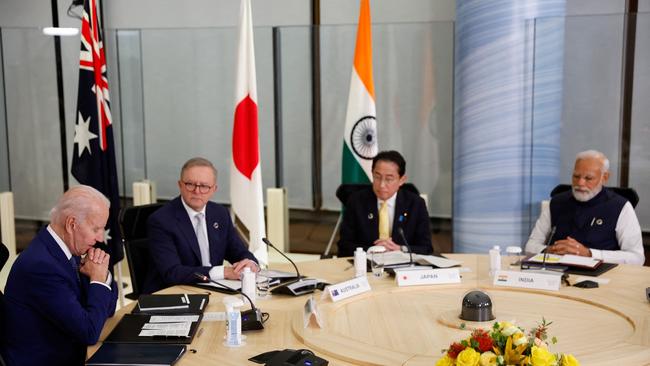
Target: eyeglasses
{"x":202,"y":187}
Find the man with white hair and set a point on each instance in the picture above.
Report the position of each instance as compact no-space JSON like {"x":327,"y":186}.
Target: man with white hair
{"x":56,"y":302}
{"x":590,"y":220}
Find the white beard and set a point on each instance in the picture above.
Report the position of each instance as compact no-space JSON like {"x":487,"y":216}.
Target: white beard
{"x":585,"y":196}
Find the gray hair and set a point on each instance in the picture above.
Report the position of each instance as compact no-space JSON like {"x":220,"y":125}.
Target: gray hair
{"x":594,"y":154}
{"x":78,"y":201}
{"x":198,"y":161}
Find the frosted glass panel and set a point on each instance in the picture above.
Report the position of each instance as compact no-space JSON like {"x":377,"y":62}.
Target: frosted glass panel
{"x":188,"y":86}
{"x":32,"y":121}
{"x":640,"y":145}
{"x":592,"y":89}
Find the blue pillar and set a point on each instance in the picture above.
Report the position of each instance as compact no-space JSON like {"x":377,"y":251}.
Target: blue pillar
{"x":507,"y":114}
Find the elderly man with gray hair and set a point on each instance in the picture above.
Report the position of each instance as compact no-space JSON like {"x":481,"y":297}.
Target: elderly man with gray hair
{"x":590,"y":220}
{"x":56,"y":302}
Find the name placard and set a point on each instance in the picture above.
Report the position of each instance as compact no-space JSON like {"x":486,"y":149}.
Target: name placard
{"x":429,"y":276}
{"x":348,"y":288}
{"x":528,"y":279}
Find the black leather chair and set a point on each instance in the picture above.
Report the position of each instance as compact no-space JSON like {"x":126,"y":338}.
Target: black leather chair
{"x":133,"y":224}
{"x":627,"y":193}
{"x":4,"y":255}
{"x":343,"y":193}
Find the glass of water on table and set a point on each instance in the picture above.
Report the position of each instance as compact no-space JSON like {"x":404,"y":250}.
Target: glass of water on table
{"x":376,"y":256}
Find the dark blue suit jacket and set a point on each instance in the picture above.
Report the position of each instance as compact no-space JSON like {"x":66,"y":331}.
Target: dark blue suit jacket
{"x":360,"y":226}
{"x":175,"y":250}
{"x":51,"y":317}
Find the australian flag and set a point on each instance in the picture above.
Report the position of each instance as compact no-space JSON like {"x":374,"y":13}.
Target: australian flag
{"x":93,"y":160}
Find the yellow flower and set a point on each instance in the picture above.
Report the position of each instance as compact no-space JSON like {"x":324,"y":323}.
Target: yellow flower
{"x":513,"y":355}
{"x":541,"y":357}
{"x":468,"y":357}
{"x":488,"y":359}
{"x":569,"y":360}
{"x":445,"y":361}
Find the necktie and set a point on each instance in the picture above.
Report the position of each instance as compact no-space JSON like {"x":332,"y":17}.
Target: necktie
{"x":202,"y":238}
{"x":383,"y":221}
{"x":75,"y":267}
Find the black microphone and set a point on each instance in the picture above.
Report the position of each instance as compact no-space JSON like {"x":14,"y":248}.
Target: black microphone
{"x":250,"y":319}
{"x":548,"y":242}
{"x":401,"y":233}
{"x":265,"y":240}
{"x":296,"y":287}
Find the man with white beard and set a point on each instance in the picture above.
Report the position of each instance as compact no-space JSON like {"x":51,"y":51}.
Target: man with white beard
{"x":590,"y":220}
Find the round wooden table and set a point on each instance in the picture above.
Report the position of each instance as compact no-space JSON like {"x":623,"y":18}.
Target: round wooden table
{"x":411,"y":325}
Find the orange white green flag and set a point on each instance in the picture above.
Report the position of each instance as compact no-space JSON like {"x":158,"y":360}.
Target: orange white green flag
{"x":245,"y":171}
{"x":360,"y":133}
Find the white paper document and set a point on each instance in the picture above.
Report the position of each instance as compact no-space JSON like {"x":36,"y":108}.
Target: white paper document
{"x":164,"y":333}
{"x":168,"y":326}
{"x":173,"y":318}
{"x":397,"y":257}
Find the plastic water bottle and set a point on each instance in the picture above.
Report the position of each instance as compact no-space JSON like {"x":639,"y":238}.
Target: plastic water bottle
{"x":495,"y":259}
{"x":233,"y":321}
{"x":359,"y":262}
{"x":248,"y":284}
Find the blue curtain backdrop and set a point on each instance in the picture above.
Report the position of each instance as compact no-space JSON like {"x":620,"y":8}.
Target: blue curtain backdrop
{"x":508,"y":104}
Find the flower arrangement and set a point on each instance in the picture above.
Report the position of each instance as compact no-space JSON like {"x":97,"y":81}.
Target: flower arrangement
{"x":506,"y":344}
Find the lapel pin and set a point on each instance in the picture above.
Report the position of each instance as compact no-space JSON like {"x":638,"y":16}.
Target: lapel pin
{"x":215,"y":225}
{"x":370,"y":216}
{"x":599,"y":222}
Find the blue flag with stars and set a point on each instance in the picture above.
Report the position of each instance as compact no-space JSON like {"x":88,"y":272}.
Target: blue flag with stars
{"x":93,"y":160}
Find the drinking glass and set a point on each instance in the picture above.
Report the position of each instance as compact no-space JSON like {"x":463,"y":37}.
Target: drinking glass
{"x":377,"y":260}
{"x":263,"y":287}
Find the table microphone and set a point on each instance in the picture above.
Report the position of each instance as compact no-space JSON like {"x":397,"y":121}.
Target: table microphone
{"x":250,"y":319}
{"x":297,"y":287}
{"x":401,"y":233}
{"x":548,"y":242}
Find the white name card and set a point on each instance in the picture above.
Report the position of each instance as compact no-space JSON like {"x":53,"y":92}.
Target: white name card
{"x":429,"y":276}
{"x":528,"y":279}
{"x":349,"y":288}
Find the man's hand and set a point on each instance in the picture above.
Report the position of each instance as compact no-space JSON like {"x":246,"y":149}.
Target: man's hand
{"x":95,"y":265}
{"x":388,"y":244}
{"x":569,"y":246}
{"x":234,"y":272}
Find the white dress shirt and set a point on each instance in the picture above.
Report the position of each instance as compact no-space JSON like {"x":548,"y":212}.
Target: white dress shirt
{"x":216,"y":272}
{"x":628,"y":235}
{"x":68,"y":255}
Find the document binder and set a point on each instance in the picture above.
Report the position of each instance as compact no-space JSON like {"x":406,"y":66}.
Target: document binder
{"x":129,"y":327}
{"x":128,"y":354}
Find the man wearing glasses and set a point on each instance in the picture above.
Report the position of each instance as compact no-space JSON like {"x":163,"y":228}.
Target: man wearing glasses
{"x":373,"y":216}
{"x":191,"y":234}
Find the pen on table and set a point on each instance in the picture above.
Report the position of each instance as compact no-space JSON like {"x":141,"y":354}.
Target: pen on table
{"x":201,"y":306}
{"x":187,"y":299}
{"x":198,"y":334}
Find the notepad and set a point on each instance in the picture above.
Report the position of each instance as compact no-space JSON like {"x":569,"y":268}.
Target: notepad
{"x":172,"y":304}
{"x":567,"y":260}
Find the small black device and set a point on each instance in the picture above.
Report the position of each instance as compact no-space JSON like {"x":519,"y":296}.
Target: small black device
{"x":299,"y":286}
{"x":586,"y":284}
{"x":250,"y":319}
{"x":289,"y":357}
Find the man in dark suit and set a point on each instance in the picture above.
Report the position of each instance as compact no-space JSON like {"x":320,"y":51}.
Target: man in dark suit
{"x":191,"y":234}
{"x":55,"y":303}
{"x":372,"y":217}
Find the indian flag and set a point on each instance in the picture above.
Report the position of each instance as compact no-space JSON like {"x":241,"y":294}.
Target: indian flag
{"x":360,"y":134}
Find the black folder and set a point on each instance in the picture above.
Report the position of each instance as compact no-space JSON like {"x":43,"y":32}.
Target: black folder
{"x":126,"y":354}
{"x":129,"y":327}
{"x":171,"y":304}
